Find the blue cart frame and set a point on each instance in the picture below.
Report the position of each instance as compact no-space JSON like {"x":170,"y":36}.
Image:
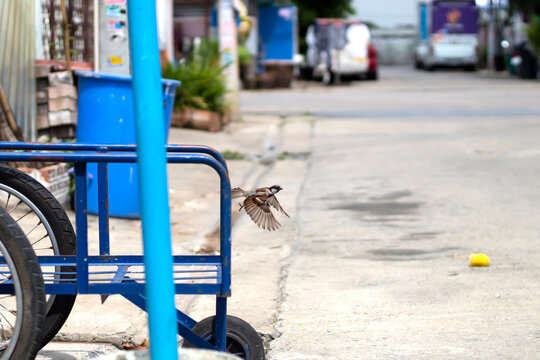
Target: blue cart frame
{"x":114,"y":276}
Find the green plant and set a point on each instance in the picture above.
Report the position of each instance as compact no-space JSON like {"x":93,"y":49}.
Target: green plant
{"x":244,"y":56}
{"x":202,"y":81}
{"x":533,"y":32}
{"x":232,"y":155}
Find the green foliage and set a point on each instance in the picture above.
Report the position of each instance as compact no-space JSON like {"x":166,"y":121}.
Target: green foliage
{"x":244,"y":56}
{"x":309,"y":10}
{"x":526,"y":6}
{"x":533,"y":32}
{"x":203,"y":84}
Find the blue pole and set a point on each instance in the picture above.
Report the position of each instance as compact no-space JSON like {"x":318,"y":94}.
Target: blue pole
{"x":150,"y":132}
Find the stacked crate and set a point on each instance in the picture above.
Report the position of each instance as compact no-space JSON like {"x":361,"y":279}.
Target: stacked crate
{"x":57,"y":181}
{"x":55,"y":178}
{"x":57,"y":103}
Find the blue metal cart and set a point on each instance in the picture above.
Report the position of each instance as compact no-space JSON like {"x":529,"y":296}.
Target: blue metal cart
{"x":109,"y":274}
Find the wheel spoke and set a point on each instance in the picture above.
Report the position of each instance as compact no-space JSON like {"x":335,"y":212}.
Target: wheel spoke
{"x":34,"y":228}
{"x":7,"y":200}
{"x":44,"y":236}
{"x":16,"y":206}
{"x":38,"y":215}
{"x":4,"y":308}
{"x":43,"y":248}
{"x":4,"y":317}
{"x":29,"y":212}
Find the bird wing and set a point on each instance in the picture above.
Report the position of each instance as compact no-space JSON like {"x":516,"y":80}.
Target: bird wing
{"x":273,"y":201}
{"x":238,"y":192}
{"x":260,"y":213}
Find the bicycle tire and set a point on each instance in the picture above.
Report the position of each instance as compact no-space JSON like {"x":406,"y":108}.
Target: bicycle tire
{"x":59,"y":230}
{"x":24,"y":273}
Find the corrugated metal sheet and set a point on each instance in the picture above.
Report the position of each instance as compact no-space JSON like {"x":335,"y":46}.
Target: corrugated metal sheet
{"x":17,"y":55}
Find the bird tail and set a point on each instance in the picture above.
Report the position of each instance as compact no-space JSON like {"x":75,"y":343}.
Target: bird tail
{"x":238,"y":193}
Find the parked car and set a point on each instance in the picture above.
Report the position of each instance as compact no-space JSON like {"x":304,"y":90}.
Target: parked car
{"x":448,"y":34}
{"x":373,"y":73}
{"x":339,"y":48}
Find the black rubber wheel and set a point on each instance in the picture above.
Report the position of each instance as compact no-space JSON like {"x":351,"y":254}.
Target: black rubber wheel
{"x":242,"y":339}
{"x":49,"y":231}
{"x":21,"y":313}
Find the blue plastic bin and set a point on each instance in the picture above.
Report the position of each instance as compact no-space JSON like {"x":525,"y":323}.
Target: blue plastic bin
{"x":105,"y":116}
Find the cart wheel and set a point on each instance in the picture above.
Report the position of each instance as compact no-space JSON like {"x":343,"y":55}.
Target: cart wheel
{"x":21,"y":313}
{"x":242,"y":339}
{"x":49,"y":231}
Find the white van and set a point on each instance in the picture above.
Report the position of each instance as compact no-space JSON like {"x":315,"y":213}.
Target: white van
{"x":341,"y":47}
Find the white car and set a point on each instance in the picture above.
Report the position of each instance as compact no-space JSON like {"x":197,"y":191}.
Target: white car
{"x":454,"y":51}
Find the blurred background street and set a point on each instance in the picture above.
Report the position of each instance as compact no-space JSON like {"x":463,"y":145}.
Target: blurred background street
{"x":404,"y":134}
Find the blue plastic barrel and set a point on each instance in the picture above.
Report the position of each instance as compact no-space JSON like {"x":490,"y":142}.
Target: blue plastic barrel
{"x":105,"y":116}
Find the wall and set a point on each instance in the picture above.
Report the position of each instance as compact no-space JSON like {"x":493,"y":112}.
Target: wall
{"x":387,"y":13}
{"x":395,"y":46}
{"x":17,"y":55}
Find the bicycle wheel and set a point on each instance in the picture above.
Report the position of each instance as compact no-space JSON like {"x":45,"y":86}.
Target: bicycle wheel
{"x":242,"y":340}
{"x":23,"y":310}
{"x":49,"y":231}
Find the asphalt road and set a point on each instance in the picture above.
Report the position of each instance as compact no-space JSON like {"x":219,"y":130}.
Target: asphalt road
{"x":404,"y":174}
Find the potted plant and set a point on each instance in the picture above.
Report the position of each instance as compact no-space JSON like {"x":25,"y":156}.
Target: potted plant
{"x":200,"y":98}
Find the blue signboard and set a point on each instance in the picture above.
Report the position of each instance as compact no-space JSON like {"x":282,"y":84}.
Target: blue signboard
{"x":454,"y":17}
{"x":277,"y":30}
{"x":423,"y":22}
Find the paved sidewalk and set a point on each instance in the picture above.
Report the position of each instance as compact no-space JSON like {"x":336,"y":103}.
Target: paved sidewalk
{"x":266,"y":150}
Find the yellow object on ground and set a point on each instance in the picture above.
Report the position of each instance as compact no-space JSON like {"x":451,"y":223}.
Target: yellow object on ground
{"x":479,"y":260}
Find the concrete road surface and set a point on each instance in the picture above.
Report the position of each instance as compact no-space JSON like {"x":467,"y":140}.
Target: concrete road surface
{"x":387,"y":183}
{"x":404,"y":174}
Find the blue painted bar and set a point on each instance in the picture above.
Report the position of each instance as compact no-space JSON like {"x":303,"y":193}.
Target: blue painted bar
{"x":153,"y":190}
{"x":172,"y":148}
{"x":225,"y":235}
{"x":221,"y":322}
{"x":138,"y":288}
{"x":103,"y":204}
{"x":117,"y":260}
{"x":140,"y":301}
{"x":81,"y":221}
{"x":175,"y":158}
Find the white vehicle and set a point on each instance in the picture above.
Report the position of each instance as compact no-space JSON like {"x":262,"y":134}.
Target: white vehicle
{"x":339,"y":48}
{"x":448,"y":35}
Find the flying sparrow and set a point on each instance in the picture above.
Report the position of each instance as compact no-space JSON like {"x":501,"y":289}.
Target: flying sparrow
{"x":257,"y":205}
